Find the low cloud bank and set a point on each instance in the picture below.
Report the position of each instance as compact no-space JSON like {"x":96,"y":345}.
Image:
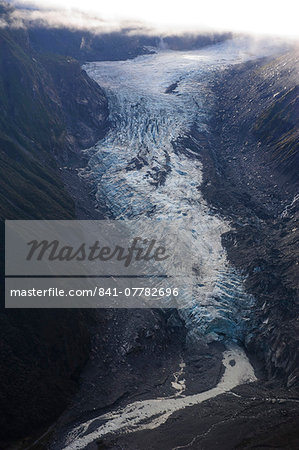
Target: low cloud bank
{"x":156,"y":17}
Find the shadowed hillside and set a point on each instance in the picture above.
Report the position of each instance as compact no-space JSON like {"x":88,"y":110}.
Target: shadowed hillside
{"x":277,"y":127}
{"x":50,"y":110}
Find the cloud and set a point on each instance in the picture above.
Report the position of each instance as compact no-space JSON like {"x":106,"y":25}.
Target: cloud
{"x":264,"y":17}
{"x":29,"y":13}
{"x":57,"y":19}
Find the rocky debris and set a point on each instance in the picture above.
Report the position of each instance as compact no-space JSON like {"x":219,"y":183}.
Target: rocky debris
{"x":258,"y":194}
{"x":171,"y":89}
{"x":137,"y":355}
{"x":248,"y":417}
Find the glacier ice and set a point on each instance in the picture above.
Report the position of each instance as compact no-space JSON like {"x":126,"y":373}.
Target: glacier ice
{"x":137,"y":173}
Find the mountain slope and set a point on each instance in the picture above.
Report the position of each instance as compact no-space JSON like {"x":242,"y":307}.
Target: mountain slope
{"x":253,"y":160}
{"x":50,"y":110}
{"x":277,"y":127}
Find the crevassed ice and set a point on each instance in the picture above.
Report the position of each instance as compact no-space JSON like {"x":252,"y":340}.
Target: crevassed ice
{"x":138,"y":174}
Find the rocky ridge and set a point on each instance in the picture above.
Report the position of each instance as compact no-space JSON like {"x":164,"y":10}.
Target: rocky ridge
{"x":253,"y":157}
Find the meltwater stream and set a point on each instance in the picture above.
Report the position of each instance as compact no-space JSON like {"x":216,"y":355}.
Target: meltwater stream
{"x":150,"y":414}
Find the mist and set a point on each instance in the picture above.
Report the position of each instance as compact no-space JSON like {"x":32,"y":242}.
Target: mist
{"x":266,"y":18}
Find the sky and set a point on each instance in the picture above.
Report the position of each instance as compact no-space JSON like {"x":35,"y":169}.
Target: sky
{"x":262,"y":17}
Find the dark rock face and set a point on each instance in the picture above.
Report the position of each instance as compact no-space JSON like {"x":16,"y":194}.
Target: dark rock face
{"x":50,"y":110}
{"x":79,"y":101}
{"x":253,"y":158}
{"x":192,"y":42}
{"x":86,"y":46}
{"x":115,"y":46}
{"x":41,"y":355}
{"x":277,"y":127}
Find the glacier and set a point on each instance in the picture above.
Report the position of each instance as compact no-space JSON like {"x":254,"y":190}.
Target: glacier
{"x":136,"y":172}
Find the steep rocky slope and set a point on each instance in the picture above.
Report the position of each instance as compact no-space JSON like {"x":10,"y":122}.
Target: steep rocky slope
{"x":49,"y":110}
{"x":277,"y":127}
{"x":86,"y":46}
{"x":253,"y":157}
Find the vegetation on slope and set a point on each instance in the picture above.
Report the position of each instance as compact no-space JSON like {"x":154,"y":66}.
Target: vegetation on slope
{"x":50,"y":110}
